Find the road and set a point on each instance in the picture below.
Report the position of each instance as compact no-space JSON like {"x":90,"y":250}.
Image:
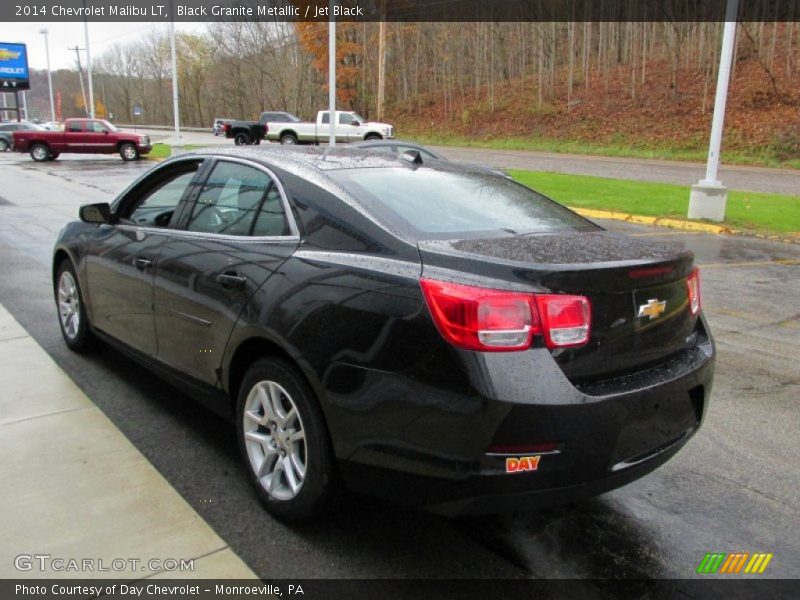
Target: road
{"x":752,"y":179}
{"x":733,"y":488}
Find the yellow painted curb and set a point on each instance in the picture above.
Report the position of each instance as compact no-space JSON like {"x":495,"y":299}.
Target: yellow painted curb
{"x":656,"y":221}
{"x":695,"y":226}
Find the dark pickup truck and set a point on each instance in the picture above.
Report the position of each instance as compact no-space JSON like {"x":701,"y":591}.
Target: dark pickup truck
{"x":245,"y":132}
{"x":83,"y":136}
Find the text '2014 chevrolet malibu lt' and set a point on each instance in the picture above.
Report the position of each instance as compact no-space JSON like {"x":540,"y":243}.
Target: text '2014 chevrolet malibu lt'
{"x":427,"y":332}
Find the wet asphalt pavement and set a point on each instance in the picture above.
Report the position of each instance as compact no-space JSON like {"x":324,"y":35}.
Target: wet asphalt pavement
{"x":733,"y":488}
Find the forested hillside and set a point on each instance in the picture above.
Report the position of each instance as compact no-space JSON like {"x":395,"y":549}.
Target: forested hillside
{"x":609,"y":83}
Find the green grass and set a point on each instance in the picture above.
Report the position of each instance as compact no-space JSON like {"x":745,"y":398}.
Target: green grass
{"x":755,"y":157}
{"x":758,"y":212}
{"x":161,"y":151}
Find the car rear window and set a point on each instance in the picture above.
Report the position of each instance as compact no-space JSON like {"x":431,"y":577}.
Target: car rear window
{"x":438,"y":204}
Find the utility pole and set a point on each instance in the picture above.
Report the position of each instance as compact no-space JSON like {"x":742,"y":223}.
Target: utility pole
{"x":381,"y":61}
{"x":80,"y":76}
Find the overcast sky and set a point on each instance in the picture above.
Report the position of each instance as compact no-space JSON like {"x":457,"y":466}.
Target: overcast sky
{"x":64,"y":35}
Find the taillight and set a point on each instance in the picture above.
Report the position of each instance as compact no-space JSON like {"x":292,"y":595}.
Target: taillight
{"x":491,"y":320}
{"x":693,"y":287}
{"x":565,"y":319}
{"x":226,"y":127}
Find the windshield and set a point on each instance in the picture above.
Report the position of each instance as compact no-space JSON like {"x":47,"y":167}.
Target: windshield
{"x":438,"y":204}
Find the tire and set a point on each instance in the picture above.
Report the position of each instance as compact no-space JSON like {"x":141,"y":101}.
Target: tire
{"x":257,"y":142}
{"x":40,"y":152}
{"x":288,"y":139}
{"x":3,"y":145}
{"x":128,"y":152}
{"x":298,"y":479}
{"x":71,"y":309}
{"x":241,"y":139}
{"x":54,"y":155}
{"x":372,"y":136}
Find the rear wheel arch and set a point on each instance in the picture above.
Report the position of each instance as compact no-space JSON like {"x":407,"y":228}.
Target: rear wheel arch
{"x":251,"y":350}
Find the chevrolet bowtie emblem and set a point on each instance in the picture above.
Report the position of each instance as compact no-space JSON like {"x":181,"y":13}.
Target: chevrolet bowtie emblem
{"x":652,"y":309}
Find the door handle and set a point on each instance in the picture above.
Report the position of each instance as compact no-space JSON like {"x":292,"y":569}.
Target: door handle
{"x":231,"y":279}
{"x":142,"y":263}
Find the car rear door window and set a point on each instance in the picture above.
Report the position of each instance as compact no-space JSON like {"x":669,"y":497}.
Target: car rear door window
{"x":75,"y":127}
{"x":238,"y":199}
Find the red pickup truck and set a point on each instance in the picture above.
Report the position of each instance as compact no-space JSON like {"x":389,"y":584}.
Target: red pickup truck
{"x":84,"y":136}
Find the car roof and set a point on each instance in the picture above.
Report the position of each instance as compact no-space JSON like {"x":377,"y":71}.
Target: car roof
{"x":317,"y":163}
{"x":316,"y":158}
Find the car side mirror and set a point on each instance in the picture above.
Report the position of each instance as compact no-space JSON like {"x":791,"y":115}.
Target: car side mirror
{"x":106,"y":131}
{"x":355,"y":123}
{"x":95,"y":213}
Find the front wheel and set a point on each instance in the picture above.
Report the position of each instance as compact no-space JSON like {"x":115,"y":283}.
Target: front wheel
{"x":71,"y":311}
{"x":128,"y":152}
{"x":288,"y":139}
{"x":284,"y":441}
{"x":40,"y":152}
{"x":54,"y":155}
{"x":241,"y":139}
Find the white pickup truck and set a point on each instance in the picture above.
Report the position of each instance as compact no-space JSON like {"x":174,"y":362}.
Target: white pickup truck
{"x":350,"y":127}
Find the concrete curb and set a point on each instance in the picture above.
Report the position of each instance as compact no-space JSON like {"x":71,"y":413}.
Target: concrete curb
{"x":684,"y":225}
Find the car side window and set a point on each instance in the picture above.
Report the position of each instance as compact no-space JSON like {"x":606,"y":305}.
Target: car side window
{"x":157,"y":205}
{"x":271,"y":219}
{"x":230,"y":200}
{"x":325,"y":118}
{"x":75,"y":127}
{"x":96,"y":127}
{"x":345,"y":119}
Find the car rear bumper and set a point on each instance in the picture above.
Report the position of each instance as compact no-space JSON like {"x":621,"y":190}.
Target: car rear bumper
{"x":605,"y":435}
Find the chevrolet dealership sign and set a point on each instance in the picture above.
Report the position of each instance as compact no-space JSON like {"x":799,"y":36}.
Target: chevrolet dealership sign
{"x":13,"y":67}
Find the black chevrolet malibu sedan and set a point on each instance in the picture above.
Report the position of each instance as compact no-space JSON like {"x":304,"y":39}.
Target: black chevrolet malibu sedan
{"x":423,"y":331}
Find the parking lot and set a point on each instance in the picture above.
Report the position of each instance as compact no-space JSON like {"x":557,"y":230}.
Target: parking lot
{"x":734,"y":488}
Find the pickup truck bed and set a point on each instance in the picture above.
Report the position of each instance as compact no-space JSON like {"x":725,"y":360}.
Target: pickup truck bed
{"x":245,"y":132}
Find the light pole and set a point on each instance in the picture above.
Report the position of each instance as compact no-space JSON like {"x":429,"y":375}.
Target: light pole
{"x":174,"y":58}
{"x":88,"y":64}
{"x":708,"y":197}
{"x":49,"y":75}
{"x":332,"y":75}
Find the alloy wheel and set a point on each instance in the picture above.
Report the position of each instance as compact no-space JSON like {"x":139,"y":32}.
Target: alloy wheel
{"x":69,"y":308}
{"x":275,"y":440}
{"x":40,"y":153}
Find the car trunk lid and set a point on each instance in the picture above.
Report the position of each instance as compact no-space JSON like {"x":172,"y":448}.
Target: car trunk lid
{"x":637,"y":289}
